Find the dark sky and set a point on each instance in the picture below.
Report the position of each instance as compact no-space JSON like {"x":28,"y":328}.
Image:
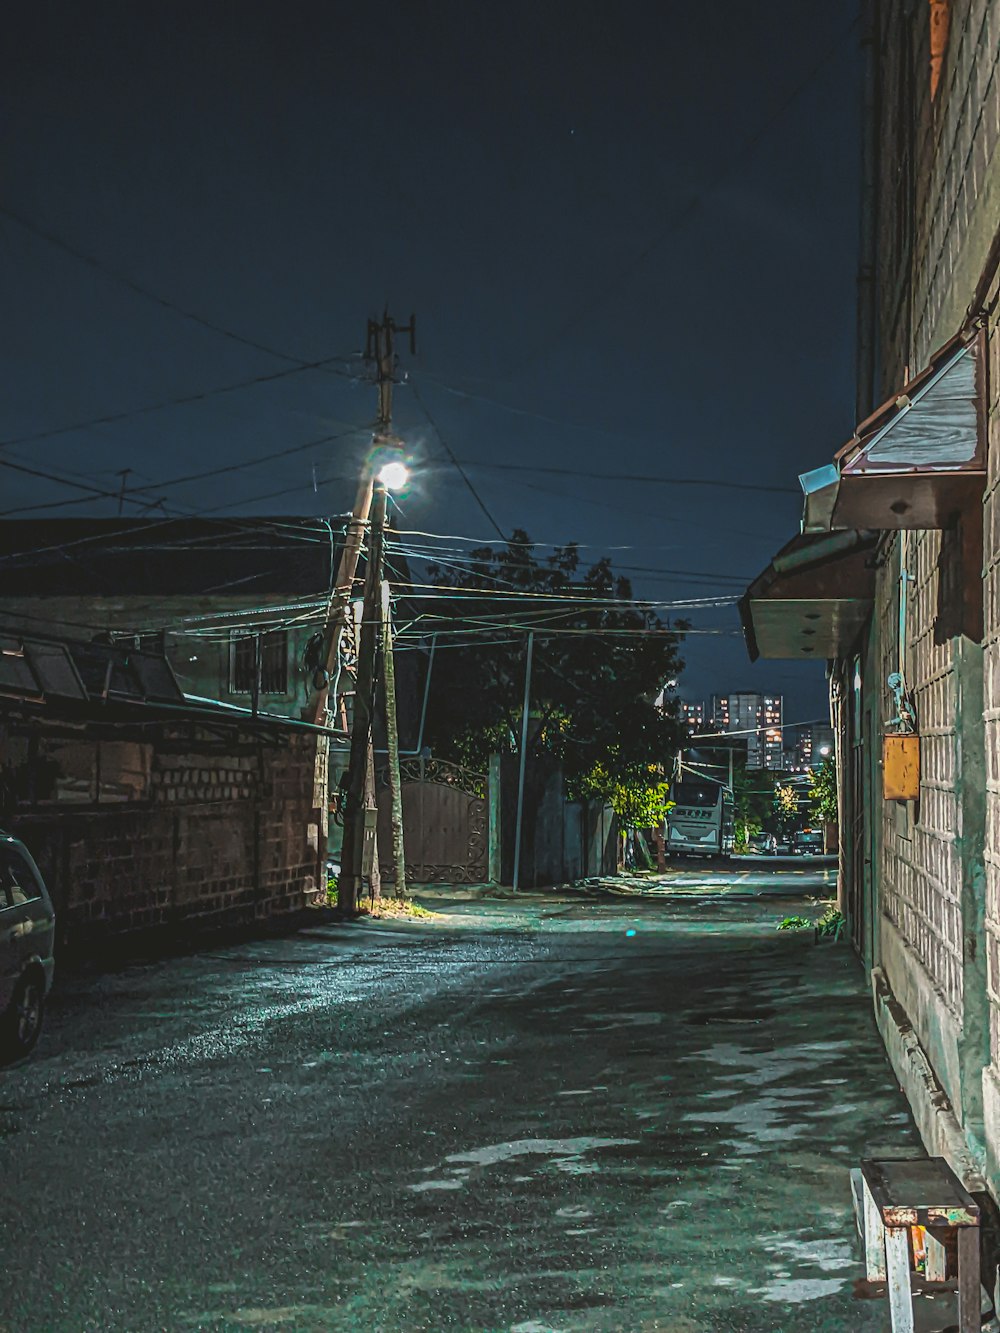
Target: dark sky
{"x":628,"y":233}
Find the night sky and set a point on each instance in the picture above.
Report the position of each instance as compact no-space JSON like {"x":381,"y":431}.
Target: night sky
{"x":628,"y":233}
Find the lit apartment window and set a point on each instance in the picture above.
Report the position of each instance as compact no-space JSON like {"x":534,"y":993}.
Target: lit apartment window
{"x":273,"y":663}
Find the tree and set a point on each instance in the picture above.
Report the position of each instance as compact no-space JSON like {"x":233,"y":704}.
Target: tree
{"x":753,"y":799}
{"x":786,"y":806}
{"x":599,"y":661}
{"x":823,"y":792}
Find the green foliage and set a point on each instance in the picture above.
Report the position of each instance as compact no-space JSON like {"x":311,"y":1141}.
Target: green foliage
{"x":786,"y":802}
{"x":592,"y":691}
{"x":795,"y":923}
{"x":831,"y":922}
{"x":786,"y":806}
{"x":640,"y":802}
{"x":744,"y":830}
{"x":753,"y":797}
{"x":823,"y":792}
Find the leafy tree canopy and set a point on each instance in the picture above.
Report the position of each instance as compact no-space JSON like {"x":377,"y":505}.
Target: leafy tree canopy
{"x":823,"y":791}
{"x":599,"y":661}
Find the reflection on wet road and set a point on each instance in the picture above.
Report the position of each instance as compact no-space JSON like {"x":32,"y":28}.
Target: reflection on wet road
{"x":621,"y":1113}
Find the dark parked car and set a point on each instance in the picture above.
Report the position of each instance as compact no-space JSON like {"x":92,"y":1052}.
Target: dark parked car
{"x":807,"y":842}
{"x":27,"y":936}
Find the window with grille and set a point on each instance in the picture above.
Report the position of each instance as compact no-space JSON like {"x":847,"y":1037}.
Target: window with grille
{"x":273,"y":649}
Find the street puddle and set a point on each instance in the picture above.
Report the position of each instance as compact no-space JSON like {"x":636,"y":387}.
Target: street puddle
{"x":568,"y":1155}
{"x":829,"y":1255}
{"x":505,"y":1152}
{"x":796,"y":1290}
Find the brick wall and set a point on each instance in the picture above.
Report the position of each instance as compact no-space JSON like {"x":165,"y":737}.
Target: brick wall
{"x":919,"y":874}
{"x":938,"y":211}
{"x":225,"y":837}
{"x":991,"y":715}
{"x":939,"y":188}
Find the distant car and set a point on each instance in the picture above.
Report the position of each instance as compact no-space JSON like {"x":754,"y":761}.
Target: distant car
{"x":807,"y":842}
{"x":27,"y":938}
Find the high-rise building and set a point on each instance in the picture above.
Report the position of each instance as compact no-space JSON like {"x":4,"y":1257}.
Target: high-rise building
{"x":815,"y":744}
{"x":758,"y":718}
{"x":693,"y":717}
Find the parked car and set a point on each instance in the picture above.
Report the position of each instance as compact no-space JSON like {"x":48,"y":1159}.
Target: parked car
{"x":27,"y":938}
{"x":807,"y":842}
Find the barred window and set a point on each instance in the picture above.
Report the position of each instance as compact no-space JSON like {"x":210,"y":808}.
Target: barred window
{"x":273,"y":663}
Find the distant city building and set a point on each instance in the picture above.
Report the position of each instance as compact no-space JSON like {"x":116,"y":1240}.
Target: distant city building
{"x":693,"y":717}
{"x":756,"y":717}
{"x":815,"y":745}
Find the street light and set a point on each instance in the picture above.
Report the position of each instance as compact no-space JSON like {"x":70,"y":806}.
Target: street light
{"x":394,"y":476}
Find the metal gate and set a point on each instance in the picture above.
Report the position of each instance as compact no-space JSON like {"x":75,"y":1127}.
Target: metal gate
{"x":445,"y":824}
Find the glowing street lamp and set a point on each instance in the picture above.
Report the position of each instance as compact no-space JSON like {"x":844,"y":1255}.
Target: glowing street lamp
{"x":394,"y":476}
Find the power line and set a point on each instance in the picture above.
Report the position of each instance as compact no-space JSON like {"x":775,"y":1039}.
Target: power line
{"x":181,"y":400}
{"x":59,"y":243}
{"x":461,"y":470}
{"x":155,"y":487}
{"x":646,"y":478}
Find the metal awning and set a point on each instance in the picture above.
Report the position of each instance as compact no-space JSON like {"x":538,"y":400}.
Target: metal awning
{"x":812,"y":601}
{"x":917,"y":462}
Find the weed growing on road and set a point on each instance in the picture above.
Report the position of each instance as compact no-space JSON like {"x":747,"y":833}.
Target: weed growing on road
{"x":831,"y":922}
{"x":795,"y":923}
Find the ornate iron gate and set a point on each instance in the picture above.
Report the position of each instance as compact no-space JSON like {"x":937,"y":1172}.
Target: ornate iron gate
{"x":445,"y":824}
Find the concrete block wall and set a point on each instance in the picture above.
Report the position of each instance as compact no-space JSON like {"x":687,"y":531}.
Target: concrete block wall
{"x":991,"y":720}
{"x":224,"y":839}
{"x":919,"y":876}
{"x":957,"y":198}
{"x":938,"y":860}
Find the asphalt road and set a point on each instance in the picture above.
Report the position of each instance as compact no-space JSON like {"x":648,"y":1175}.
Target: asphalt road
{"x":636,"y":1111}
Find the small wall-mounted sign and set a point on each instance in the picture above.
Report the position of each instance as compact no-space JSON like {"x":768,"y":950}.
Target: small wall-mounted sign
{"x":901,"y":767}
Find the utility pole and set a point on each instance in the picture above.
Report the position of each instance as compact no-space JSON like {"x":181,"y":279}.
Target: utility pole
{"x":360,"y":821}
{"x":521,"y":767}
{"x":392,"y":744}
{"x":352,"y":854}
{"x":380,"y":348}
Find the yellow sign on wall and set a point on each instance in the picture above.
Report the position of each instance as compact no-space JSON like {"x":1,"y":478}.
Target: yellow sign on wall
{"x":901,"y":768}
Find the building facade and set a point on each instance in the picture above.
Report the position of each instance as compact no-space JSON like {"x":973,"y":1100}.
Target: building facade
{"x":148,"y":814}
{"x":692,"y":715}
{"x":895,"y":578}
{"x":757,"y":718}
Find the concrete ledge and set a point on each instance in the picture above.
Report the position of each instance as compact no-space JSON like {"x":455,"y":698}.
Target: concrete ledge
{"x":935,"y":1119}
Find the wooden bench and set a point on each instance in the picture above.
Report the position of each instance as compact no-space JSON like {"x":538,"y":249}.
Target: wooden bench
{"x":923,"y":1192}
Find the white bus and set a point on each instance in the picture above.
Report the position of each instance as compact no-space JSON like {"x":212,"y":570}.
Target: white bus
{"x":700,"y":823}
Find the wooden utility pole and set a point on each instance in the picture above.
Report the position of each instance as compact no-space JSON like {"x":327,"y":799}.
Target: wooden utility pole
{"x":392,"y":744}
{"x":380,"y":348}
{"x":360,"y":812}
{"x":523,"y":763}
{"x":353,"y":852}
{"x":340,"y":600}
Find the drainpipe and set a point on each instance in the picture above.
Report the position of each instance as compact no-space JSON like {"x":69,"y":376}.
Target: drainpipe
{"x":867,"y":332}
